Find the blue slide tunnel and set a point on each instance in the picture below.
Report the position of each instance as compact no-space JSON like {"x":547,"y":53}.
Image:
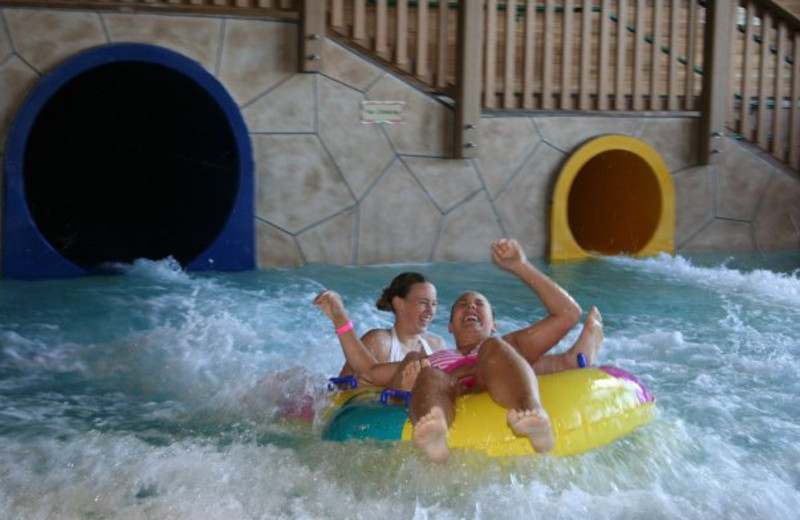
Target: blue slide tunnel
{"x":123,"y":152}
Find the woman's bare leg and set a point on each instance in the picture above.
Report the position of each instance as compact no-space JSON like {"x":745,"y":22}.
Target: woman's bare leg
{"x":589,"y":343}
{"x":432,"y":410}
{"x":512,"y":384}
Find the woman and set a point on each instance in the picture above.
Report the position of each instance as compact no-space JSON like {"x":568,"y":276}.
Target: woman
{"x":412,"y":299}
{"x":504,"y":366}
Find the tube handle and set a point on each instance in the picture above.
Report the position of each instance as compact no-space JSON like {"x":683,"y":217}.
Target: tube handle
{"x":338,"y":382}
{"x":390,"y":393}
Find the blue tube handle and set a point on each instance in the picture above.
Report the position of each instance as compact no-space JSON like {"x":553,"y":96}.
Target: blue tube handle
{"x":582,"y":361}
{"x":394,"y":393}
{"x":335,"y":382}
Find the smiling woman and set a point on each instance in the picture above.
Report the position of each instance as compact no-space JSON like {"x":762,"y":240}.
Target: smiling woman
{"x":411,"y":297}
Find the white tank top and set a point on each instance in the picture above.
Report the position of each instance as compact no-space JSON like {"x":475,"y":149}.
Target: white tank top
{"x":396,"y":352}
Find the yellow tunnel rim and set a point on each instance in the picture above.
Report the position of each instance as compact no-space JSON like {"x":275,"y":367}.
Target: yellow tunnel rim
{"x":563,"y":245}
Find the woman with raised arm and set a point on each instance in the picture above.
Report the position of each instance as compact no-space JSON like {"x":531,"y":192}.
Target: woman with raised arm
{"x":502,"y":366}
{"x":505,"y":366}
{"x":411,"y":297}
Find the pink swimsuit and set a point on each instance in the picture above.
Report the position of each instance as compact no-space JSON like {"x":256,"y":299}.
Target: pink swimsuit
{"x":449,"y":360}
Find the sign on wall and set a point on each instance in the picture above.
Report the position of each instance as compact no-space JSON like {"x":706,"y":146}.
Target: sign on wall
{"x":383,"y":112}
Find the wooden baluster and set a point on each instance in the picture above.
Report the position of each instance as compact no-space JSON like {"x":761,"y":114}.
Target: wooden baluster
{"x":381,"y":29}
{"x":731,"y":108}
{"x":529,"y":58}
{"x":421,"y":60}
{"x":359,"y":22}
{"x":763,"y":84}
{"x":746,"y":122}
{"x":620,"y":84}
{"x":778,"y":142}
{"x":510,"y":55}
{"x":567,"y":41}
{"x":638,"y":57}
{"x":604,"y":60}
{"x":401,"y":48}
{"x":585,"y":68}
{"x":655,"y":56}
{"x":490,"y":53}
{"x":674,"y":45}
{"x":337,"y":15}
{"x":547,"y":58}
{"x":689,"y":102}
{"x":441,"y":46}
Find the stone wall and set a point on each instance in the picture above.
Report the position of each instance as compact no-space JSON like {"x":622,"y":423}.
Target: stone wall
{"x":330,"y":189}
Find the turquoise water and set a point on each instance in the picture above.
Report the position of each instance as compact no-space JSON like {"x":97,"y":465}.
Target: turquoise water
{"x":157,"y":394}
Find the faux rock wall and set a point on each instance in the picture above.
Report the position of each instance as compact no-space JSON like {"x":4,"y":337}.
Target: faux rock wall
{"x":330,"y":189}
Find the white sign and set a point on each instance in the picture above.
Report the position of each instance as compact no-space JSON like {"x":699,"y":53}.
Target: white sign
{"x":383,"y":112}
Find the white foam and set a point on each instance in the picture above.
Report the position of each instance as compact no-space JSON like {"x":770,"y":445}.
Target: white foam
{"x":166,"y":408}
{"x":777,"y":287}
{"x":168,"y":270}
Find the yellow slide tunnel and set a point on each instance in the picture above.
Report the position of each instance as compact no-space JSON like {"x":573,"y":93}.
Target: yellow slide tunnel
{"x":614,"y":196}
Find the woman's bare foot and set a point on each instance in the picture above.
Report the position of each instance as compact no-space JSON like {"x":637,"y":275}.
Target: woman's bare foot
{"x":590,"y":341}
{"x":533,"y":424}
{"x":405,"y":379}
{"x":430,"y":435}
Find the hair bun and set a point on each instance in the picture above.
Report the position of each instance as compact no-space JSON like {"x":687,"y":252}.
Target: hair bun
{"x":400,"y":286}
{"x":384,"y":302}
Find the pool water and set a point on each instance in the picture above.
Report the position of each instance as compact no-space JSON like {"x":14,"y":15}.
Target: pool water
{"x":158,"y":394}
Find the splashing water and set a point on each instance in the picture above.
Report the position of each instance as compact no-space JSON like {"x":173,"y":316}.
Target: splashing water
{"x":158,"y":394}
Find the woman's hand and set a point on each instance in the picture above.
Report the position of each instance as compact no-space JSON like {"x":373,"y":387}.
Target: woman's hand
{"x":330,"y":303}
{"x":507,"y":253}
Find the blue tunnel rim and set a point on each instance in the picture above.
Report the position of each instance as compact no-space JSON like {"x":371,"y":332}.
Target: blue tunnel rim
{"x":27,"y":254}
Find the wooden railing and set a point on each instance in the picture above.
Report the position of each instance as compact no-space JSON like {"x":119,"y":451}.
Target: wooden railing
{"x":602,"y":55}
{"x":765,"y":79}
{"x":418,"y":38}
{"x":735,"y":62}
{"x":278,"y":8}
{"x":546,"y":54}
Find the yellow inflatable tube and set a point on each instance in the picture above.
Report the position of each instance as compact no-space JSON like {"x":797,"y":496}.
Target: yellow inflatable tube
{"x":588,"y":408}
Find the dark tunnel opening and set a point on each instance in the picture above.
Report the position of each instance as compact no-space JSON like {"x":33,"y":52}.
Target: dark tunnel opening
{"x":614,"y":196}
{"x":130,"y":160}
{"x":127,"y":151}
{"x":614,"y":204}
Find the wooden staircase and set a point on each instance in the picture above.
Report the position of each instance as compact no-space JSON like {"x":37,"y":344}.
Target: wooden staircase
{"x":733,"y":63}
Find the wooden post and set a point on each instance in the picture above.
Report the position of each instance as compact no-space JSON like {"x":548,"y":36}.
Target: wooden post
{"x":312,"y":33}
{"x":716,"y":78}
{"x":468,"y":79}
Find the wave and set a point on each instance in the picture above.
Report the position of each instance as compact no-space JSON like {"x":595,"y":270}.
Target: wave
{"x":758,"y":283}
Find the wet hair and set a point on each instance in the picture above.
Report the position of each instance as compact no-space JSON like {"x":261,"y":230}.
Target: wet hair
{"x":400,"y":286}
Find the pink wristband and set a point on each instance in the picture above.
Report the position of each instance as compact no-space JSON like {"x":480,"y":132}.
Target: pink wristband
{"x":344,"y":328}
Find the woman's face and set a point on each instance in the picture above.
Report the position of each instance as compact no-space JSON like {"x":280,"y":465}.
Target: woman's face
{"x":472,"y":317}
{"x":415,"y":312}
